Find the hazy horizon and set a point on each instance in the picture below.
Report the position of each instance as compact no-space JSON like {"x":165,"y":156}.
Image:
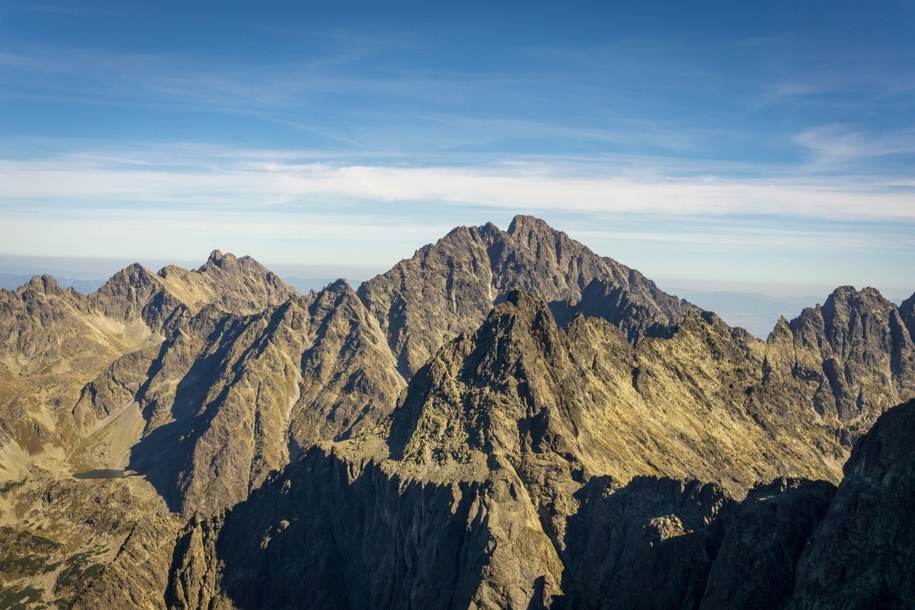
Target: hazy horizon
{"x":754,"y":306}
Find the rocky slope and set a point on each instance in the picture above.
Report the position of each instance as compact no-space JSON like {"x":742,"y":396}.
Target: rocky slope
{"x":571,"y":437}
{"x":494,"y":485}
{"x":219,"y":405}
{"x":852,"y":358}
{"x":524,"y":388}
{"x":448,"y":288}
{"x":53,"y":341}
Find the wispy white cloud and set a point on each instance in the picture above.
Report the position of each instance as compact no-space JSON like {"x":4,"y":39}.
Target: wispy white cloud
{"x":834,"y":147}
{"x":255,"y":180}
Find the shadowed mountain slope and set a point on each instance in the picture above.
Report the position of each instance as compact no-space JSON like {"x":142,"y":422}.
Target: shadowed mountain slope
{"x":862,"y":554}
{"x":228,"y":399}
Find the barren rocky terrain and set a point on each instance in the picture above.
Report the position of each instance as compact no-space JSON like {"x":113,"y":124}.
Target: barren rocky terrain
{"x":504,"y":420}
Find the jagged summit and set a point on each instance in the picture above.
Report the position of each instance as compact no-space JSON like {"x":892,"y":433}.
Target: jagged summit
{"x":448,"y":288}
{"x":218,"y":258}
{"x":39,"y":283}
{"x":524,"y":224}
{"x":340,"y":286}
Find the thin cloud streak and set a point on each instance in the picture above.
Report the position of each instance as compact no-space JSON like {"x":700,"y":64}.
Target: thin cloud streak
{"x":72,"y":182}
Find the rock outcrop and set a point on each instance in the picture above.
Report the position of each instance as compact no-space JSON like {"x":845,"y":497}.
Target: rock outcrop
{"x":862,"y":554}
{"x":851,"y":358}
{"x":448,"y":288}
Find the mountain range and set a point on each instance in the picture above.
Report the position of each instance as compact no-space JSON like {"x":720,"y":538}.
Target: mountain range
{"x":505,"y":419}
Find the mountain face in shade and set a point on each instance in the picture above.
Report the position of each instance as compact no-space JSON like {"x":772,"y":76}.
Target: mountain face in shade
{"x":568,"y":436}
{"x":907,"y":313}
{"x":230,"y":398}
{"x":448,"y":288}
{"x":861,"y":555}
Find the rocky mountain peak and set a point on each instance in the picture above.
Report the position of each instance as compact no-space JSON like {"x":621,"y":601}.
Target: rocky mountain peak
{"x":339,"y":286}
{"x":907,"y":311}
{"x":218,"y":259}
{"x":127,"y":292}
{"x":44,"y":284}
{"x":526,"y":225}
{"x":846,"y":318}
{"x":847,"y":298}
{"x":135,"y":275}
{"x":853,"y":356}
{"x":448,"y":288}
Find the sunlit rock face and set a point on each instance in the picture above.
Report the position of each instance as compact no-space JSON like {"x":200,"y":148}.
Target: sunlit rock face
{"x":504,"y":420}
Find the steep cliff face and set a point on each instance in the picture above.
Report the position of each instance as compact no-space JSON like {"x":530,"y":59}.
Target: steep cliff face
{"x":648,"y":544}
{"x":861,"y":555}
{"x":228,"y":399}
{"x":762,"y":539}
{"x":448,"y":288}
{"x":662,"y":543}
{"x":586,"y":400}
{"x":330,"y":536}
{"x":852,"y":359}
{"x":907,"y":313}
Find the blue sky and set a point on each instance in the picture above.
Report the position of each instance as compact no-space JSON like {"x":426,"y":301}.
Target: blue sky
{"x":709,"y":144}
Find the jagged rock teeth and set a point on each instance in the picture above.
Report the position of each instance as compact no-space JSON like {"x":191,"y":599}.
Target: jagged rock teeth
{"x":448,"y":288}
{"x":570,"y":437}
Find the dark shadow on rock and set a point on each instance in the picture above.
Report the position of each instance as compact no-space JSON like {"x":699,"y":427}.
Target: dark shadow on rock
{"x":316,"y":538}
{"x":537,"y":600}
{"x":649,"y":544}
{"x":755,"y":567}
{"x":662,"y":543}
{"x":166,"y":453}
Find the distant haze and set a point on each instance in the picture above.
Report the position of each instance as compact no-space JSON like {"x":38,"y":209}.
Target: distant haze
{"x":755,"y":307}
